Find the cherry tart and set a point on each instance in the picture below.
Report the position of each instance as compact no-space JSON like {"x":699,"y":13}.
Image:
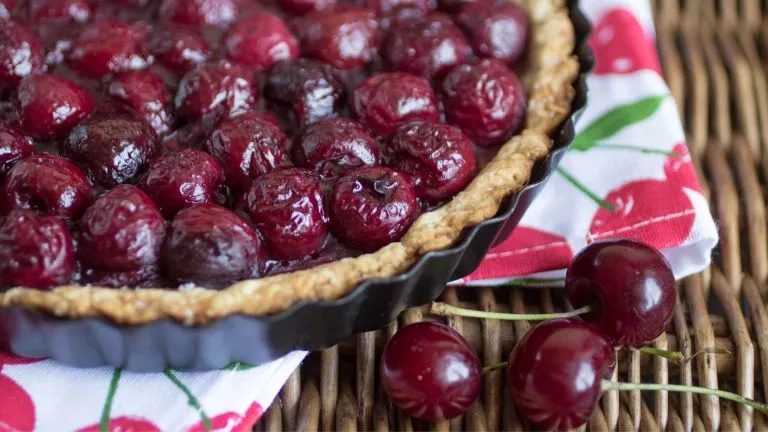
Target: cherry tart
{"x":241,"y":157}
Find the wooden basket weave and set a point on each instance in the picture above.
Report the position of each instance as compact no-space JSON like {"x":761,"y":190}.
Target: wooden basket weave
{"x":715,"y":58}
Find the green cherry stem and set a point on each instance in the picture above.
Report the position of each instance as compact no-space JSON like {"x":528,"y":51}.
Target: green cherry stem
{"x":444,"y":309}
{"x":494,"y":367}
{"x":106,"y":410}
{"x":580,"y":186}
{"x":191,"y":399}
{"x":680,"y":358}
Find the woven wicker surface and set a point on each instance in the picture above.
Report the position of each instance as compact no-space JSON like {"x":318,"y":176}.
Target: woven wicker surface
{"x":715,"y":58}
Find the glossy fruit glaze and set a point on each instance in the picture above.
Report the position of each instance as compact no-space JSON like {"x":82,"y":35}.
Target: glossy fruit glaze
{"x":162,"y":142}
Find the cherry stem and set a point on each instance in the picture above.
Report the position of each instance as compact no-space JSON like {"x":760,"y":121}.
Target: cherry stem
{"x":678,"y":357}
{"x":494,"y":367}
{"x":443,"y":309}
{"x":580,"y":186}
{"x":722,"y":394}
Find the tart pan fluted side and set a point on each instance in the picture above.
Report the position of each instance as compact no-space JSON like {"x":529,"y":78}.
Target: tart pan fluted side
{"x":91,"y":342}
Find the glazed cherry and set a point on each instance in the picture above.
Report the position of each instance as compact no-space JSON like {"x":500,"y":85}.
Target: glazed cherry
{"x":247,"y":146}
{"x":35,"y":251}
{"x":439,"y":157}
{"x":630,"y":286}
{"x":387,"y":8}
{"x":6,"y":6}
{"x":221,"y":246}
{"x":111,"y":149}
{"x":303,"y":7}
{"x":428,"y":47}
{"x":60,"y":10}
{"x":487,"y":100}
{"x":122,"y":231}
{"x":345,"y":39}
{"x":199,"y":13}
{"x":430,"y":371}
{"x":50,"y":106}
{"x":108,"y":47}
{"x":306,"y":88}
{"x":183,"y":179}
{"x":496,"y":29}
{"x":145,"y":92}
{"x":372,"y":207}
{"x":217,"y":85}
{"x":554,"y":373}
{"x":13,"y":147}
{"x":47,"y":184}
{"x":386,"y":101}
{"x":21,"y":53}
{"x":178,"y":49}
{"x":287,"y":208}
{"x":332,"y":146}
{"x":260,"y":40}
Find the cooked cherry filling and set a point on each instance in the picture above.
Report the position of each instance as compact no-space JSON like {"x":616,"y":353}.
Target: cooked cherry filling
{"x":164,"y":142}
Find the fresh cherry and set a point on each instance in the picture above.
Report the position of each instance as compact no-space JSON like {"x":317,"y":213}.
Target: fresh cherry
{"x":260,"y":40}
{"x":439,"y":157}
{"x":13,"y":147}
{"x":247,"y":146}
{"x":388,"y":8}
{"x":147,"y":94}
{"x":6,"y":7}
{"x":35,"y":251}
{"x":177,"y":48}
{"x":487,"y":100}
{"x":221,"y":246}
{"x":48,"y":184}
{"x":199,"y":13}
{"x":496,"y":29}
{"x":108,"y":47}
{"x":216,"y":85}
{"x":287,"y":208}
{"x":332,"y":146}
{"x":50,"y":106}
{"x":630,"y":287}
{"x":21,"y":53}
{"x":60,"y":10}
{"x":430,"y":371}
{"x":386,"y":101}
{"x":303,"y":7}
{"x":372,"y":206}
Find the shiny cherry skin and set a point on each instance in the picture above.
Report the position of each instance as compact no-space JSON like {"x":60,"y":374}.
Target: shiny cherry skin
{"x":216,"y":85}
{"x":333,"y":146}
{"x":307,"y":89}
{"x":21,"y":53}
{"x":428,"y":47}
{"x":222,"y":246}
{"x":487,"y":100}
{"x":372,"y":206}
{"x":199,"y":13}
{"x":629,"y":284}
{"x":345,"y":38}
{"x":178,"y":49}
{"x":287,"y":208}
{"x":303,"y":7}
{"x":50,"y":106}
{"x":439,"y":157}
{"x":111,"y":149}
{"x":430,"y":371}
{"x":386,"y":8}
{"x":13,"y":148}
{"x":247,"y":146}
{"x":261,"y":40}
{"x":146,"y":93}
{"x":36,"y":251}
{"x":386,"y":101}
{"x":60,"y":10}
{"x":108,"y":47}
{"x":47,"y":184}
{"x":496,"y":29}
{"x":6,"y":7}
{"x":554,"y":373}
{"x":183,"y":179}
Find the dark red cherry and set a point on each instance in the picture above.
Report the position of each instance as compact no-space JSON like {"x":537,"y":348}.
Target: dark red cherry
{"x":496,"y":29}
{"x":60,"y":10}
{"x":332,"y":146}
{"x":345,"y":39}
{"x":439,"y":157}
{"x":428,"y":47}
{"x":217,"y":85}
{"x":386,"y":8}
{"x":6,"y":7}
{"x":260,"y":40}
{"x":630,"y":286}
{"x":48,"y":184}
{"x":247,"y":146}
{"x":199,"y":13}
{"x":387,"y":101}
{"x":219,"y":244}
{"x":555,"y":371}
{"x":50,"y":106}
{"x":372,"y":207}
{"x":122,"y":231}
{"x":111,"y":149}
{"x":21,"y":53}
{"x":303,"y":7}
{"x":13,"y":147}
{"x":35,"y":251}
{"x":487,"y":100}
{"x":179,"y":49}
{"x":146,"y":93}
{"x":183,"y":179}
{"x":430,"y":371}
{"x":306,"y":88}
{"x":108,"y":47}
{"x":286,"y":206}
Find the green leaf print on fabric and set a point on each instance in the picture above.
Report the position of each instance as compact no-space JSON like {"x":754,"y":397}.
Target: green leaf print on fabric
{"x":238,"y":366}
{"x":612,"y":122}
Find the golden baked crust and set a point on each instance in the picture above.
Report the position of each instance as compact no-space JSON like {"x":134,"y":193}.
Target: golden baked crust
{"x":549,"y":79}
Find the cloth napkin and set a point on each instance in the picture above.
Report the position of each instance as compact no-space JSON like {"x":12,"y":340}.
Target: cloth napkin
{"x":628,"y":175}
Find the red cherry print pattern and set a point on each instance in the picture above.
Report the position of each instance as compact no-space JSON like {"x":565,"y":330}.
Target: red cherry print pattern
{"x":12,"y":359}
{"x":124,"y":424}
{"x":541,"y":250}
{"x":231,"y":421}
{"x":17,"y":412}
{"x":617,"y":40}
{"x":680,"y":168}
